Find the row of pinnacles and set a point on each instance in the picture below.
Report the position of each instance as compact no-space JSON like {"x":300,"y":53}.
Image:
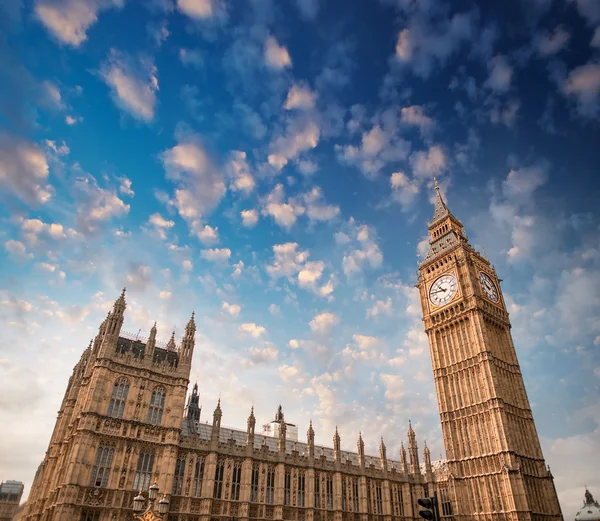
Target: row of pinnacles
{"x":112,"y":342}
{"x":407,"y":465}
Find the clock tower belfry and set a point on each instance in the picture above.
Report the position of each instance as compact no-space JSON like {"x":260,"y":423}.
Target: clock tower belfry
{"x":497,"y":469}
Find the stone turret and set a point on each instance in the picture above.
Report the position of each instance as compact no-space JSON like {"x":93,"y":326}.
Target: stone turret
{"x":310,"y":441}
{"x":193,"y":409}
{"x":216,"y":426}
{"x":250,"y":430}
{"x":171,"y":346}
{"x":151,"y":344}
{"x":361,"y":450}
{"x":282,"y":433}
{"x":403,"y":465}
{"x":427,"y":459}
{"x":413,"y":450}
{"x":188,"y":341}
{"x":337,"y":451}
{"x":383,"y":455}
{"x":112,"y":326}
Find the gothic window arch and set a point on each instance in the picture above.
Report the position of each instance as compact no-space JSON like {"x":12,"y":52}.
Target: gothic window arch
{"x":102,"y":465}
{"x":178,"y":477}
{"x":254,"y":484}
{"x":301,"y":488}
{"x":198,"y":477}
{"x":157,"y":404}
{"x":118,"y":398}
{"x":270,"y":492}
{"x":236,"y":481}
{"x":143,"y":472}
{"x":218,"y":483}
{"x":329,"y":491}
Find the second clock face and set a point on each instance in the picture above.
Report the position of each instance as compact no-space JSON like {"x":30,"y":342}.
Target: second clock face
{"x":488,"y":287}
{"x":443,"y":290}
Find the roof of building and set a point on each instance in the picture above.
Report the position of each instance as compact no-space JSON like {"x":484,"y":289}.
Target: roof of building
{"x":204,"y":430}
{"x":590,"y":510}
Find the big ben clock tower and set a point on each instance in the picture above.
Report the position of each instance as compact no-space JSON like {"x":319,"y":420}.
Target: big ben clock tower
{"x":494,"y":455}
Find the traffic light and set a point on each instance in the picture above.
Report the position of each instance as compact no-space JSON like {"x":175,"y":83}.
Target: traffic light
{"x":429,"y":512}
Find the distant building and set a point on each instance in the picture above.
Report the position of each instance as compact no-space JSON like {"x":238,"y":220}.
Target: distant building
{"x":10,"y":497}
{"x":590,"y":510}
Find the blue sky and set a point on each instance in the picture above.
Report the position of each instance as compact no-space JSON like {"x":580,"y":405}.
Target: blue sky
{"x":270,"y":166}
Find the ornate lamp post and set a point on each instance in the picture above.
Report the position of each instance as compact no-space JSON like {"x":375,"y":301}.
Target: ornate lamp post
{"x":149,"y":514}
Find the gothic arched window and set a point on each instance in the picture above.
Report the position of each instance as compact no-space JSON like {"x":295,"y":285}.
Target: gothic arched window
{"x":198,"y":476}
{"x":118,"y":398}
{"x":102,"y":465}
{"x":143,"y":472}
{"x":178,"y":478}
{"x":157,"y":403}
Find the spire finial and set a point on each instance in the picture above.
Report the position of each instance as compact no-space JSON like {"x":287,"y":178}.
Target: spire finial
{"x":435,"y":183}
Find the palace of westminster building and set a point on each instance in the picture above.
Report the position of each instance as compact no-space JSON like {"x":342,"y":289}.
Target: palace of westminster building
{"x":124,"y":424}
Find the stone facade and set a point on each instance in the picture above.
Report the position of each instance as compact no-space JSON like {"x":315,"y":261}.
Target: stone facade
{"x":124,"y":424}
{"x":495,"y":461}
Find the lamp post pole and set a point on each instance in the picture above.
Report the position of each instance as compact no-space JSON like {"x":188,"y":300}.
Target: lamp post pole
{"x":149,"y":513}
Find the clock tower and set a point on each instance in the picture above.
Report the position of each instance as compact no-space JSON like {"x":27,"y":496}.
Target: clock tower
{"x":497,"y":469}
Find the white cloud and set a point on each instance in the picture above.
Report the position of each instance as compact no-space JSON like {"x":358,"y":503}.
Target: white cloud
{"x":316,"y":207}
{"x":274,"y":310}
{"x":323,"y":323}
{"x":424,"y":45}
{"x":72,"y":120}
{"x":300,"y":97}
{"x":590,"y":10}
{"x":301,"y":134}
{"x":61,"y":149}
{"x":23,"y":169}
{"x":583,"y":87}
{"x":250,"y":328}
{"x":362,"y":250}
{"x":231,"y":309}
{"x":239,"y":172}
{"x":427,"y":165}
{"x":263,"y":355}
{"x":165,"y":295}
{"x":294,"y":344}
{"x":276,"y":56}
{"x":404,"y":190}
{"x":34,"y":229}
{"x":69,"y":20}
{"x":160,"y":225}
{"x":125,"y":187}
{"x":394,"y":386}
{"x":415,"y":115}
{"x":216,"y":254}
{"x":203,"y":10}
{"x":95,"y":204}
{"x":200,"y":185}
{"x":16,"y":249}
{"x":249,"y":218}
{"x":501,"y":73}
{"x":284,"y":213}
{"x":138,"y":277}
{"x":549,"y":44}
{"x":381,"y":307}
{"x":208,"y":235}
{"x":133,"y":83}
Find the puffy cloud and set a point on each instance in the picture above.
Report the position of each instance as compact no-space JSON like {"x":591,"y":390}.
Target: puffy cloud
{"x":125,"y":187}
{"x":425,"y":44}
{"x":249,"y":218}
{"x":160,"y":225}
{"x":133,"y":83}
{"x":96,"y":205}
{"x":264,"y":355}
{"x":323,"y":323}
{"x":596,"y":38}
{"x":276,"y":56}
{"x":200,"y":185}
{"x":72,"y":120}
{"x":239,"y":172}
{"x":394,"y":386}
{"x":23,"y":169}
{"x":34,"y":230}
{"x":217,"y":255}
{"x":69,"y":20}
{"x":583,"y":87}
{"x":250,"y":328}
{"x":415,"y":115}
{"x":284,"y":213}
{"x":362,"y":249}
{"x":203,"y":10}
{"x":301,"y":134}
{"x":367,"y":348}
{"x":501,"y":73}
{"x":165,"y":295}
{"x":316,"y":207}
{"x":274,"y":310}
{"x":231,"y":309}
{"x":427,"y":165}
{"x":548,"y":44}
{"x":16,"y":249}
{"x":404,"y":190}
{"x":208,"y":235}
{"x":60,"y":149}
{"x":138,"y":277}
{"x":380,"y":307}
{"x":300,"y":97}
{"x":590,"y":10}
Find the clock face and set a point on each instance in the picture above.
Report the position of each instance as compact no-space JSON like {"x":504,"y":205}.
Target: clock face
{"x":488,"y":287}
{"x":443,"y":290}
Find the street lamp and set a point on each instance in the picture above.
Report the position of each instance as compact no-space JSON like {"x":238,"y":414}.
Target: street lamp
{"x":148,"y":514}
